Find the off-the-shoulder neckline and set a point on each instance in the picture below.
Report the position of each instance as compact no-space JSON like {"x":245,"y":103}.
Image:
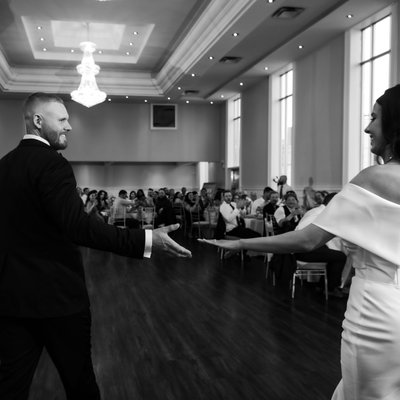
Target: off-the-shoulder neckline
{"x":374,"y":194}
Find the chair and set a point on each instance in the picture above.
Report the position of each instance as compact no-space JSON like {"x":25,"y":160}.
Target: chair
{"x":269,"y":231}
{"x":147,"y":218}
{"x":117,"y":220}
{"x":196,"y":222}
{"x":307,"y":270}
{"x":211,"y":214}
{"x":179,"y":213}
{"x":220,"y":233}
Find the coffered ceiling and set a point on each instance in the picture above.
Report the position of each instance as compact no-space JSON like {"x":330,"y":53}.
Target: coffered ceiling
{"x":197,"y":50}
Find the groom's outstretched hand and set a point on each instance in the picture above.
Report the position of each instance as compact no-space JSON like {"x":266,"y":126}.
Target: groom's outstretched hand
{"x":163,"y":243}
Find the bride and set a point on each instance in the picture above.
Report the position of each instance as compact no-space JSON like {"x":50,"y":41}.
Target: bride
{"x":365,"y":215}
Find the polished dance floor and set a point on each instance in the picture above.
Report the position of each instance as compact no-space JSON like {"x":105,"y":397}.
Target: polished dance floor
{"x":168,"y":329}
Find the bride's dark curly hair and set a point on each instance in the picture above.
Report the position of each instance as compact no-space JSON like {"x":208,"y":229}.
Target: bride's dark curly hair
{"x":390,"y":103}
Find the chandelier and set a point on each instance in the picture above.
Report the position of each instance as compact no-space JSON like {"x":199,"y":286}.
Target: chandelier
{"x":88,"y":94}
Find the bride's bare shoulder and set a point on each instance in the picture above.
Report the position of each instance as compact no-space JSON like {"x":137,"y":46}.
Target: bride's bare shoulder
{"x":383,"y":180}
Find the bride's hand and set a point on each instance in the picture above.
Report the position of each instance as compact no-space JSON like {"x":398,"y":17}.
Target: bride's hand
{"x":232,"y":245}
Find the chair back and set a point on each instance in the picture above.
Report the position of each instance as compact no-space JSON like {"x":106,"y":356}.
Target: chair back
{"x":220,"y":229}
{"x":269,"y":227}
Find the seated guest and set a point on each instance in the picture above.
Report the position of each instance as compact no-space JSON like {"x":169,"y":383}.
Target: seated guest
{"x":204,"y":199}
{"x":328,"y":253}
{"x":91,"y":202}
{"x":141,"y":199}
{"x":165,"y":213}
{"x":232,"y":214}
{"x":102,"y":200}
{"x":318,"y":198}
{"x":121,"y":206}
{"x":150,"y":197}
{"x":272,"y":205}
{"x":259,"y":203}
{"x":84,"y":196}
{"x":132,"y":195}
{"x":178,"y":198}
{"x":191,"y":202}
{"x":288,"y":214}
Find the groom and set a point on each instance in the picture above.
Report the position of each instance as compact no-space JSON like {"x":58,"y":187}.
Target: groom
{"x":43,"y":297}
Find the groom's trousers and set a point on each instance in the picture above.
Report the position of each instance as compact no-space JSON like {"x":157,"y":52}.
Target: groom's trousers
{"x":68,"y":342}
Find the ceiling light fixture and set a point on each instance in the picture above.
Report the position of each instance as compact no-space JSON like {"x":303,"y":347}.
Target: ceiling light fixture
{"x":88,"y":94}
{"x":349,"y":16}
{"x":211,"y":58}
{"x":300,"y":46}
{"x":235,"y":34}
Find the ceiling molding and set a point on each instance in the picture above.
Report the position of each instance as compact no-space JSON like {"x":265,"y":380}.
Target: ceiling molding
{"x":212,"y":24}
{"x":62,"y":80}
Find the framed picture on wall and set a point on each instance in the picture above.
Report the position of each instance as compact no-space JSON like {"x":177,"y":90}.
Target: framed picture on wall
{"x":163,"y":116}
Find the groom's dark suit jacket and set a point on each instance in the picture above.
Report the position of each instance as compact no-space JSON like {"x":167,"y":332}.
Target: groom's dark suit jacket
{"x":41,"y":225}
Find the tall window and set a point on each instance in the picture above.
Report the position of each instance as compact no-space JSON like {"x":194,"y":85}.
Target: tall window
{"x":234,"y":129}
{"x":286,"y":124}
{"x":375,"y":74}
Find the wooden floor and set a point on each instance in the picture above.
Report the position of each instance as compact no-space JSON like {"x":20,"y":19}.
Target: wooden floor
{"x":168,"y":329}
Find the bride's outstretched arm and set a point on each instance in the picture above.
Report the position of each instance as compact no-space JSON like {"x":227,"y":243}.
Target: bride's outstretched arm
{"x":305,"y":240}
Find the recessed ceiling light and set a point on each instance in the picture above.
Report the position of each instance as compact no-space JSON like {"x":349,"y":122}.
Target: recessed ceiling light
{"x":100,"y":52}
{"x":127,"y":97}
{"x":109,"y":99}
{"x":241,"y":83}
{"x":38,"y":28}
{"x":211,"y":102}
{"x":145,"y":101}
{"x":127,"y":53}
{"x":72,"y":50}
{"x":136,"y":33}
{"x":179,"y":88}
{"x":211,"y":58}
{"x":349,"y":16}
{"x":42,"y":39}
{"x":193,"y":74}
{"x":222,"y":96}
{"x":266,"y":68}
{"x":44,"y":49}
{"x":130,"y":44}
{"x":187,"y":101}
{"x":300,"y":46}
{"x":235,"y":34}
{"x":168,"y":98}
{"x":270,"y":1}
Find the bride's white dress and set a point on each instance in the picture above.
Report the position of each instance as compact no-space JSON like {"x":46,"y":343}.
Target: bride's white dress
{"x":370,"y":352}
